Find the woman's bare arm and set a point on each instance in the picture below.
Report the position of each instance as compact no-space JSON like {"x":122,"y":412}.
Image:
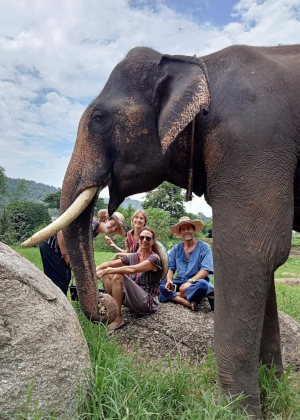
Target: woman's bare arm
{"x":142,"y":267}
{"x":62,"y":247}
{"x":111,"y":244}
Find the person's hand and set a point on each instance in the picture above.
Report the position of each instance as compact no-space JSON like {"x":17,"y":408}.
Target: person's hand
{"x":101,"y":273}
{"x":184,"y":286}
{"x":116,"y":256}
{"x":169,"y":286}
{"x":109,"y":241}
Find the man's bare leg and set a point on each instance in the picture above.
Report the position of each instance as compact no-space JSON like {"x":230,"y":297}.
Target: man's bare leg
{"x":107,"y":283}
{"x":181,"y":300}
{"x":117,"y":294}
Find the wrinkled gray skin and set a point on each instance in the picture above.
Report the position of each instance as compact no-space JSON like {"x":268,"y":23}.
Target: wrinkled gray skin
{"x":137,"y":133}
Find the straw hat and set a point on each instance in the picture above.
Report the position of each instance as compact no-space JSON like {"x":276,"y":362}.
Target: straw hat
{"x":198,"y":224}
{"x":163,"y":253}
{"x":118,"y":218}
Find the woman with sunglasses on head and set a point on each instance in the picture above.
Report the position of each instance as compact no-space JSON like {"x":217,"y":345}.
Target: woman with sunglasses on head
{"x":138,"y":221}
{"x":54,"y":252}
{"x":134,"y":279}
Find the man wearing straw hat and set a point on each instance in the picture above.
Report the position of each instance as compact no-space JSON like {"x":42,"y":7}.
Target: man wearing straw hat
{"x":192,"y":259}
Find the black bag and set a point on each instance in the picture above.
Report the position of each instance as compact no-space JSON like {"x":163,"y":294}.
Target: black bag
{"x":211,"y":299}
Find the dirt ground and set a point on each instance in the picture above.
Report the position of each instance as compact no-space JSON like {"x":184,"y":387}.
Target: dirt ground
{"x":295,"y":252}
{"x":177,"y":332}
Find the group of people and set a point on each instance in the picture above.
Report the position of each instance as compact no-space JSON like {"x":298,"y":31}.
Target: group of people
{"x":143,"y":274}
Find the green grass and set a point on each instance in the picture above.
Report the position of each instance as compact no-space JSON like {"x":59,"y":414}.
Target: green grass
{"x":126,"y":389}
{"x":288,"y":300}
{"x":31,"y":254}
{"x":295,"y":241}
{"x":290,"y":269}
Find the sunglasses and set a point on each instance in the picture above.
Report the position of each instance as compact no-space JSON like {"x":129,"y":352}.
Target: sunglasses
{"x":148,"y":238}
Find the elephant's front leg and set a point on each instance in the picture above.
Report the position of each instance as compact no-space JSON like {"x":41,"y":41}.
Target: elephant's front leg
{"x":250,"y":241}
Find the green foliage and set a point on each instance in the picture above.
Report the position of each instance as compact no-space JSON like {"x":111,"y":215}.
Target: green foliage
{"x":22,"y":218}
{"x":101,"y":204}
{"x":202,"y":217}
{"x":167,"y":197}
{"x":208,"y":229}
{"x":127,"y":213}
{"x":53,"y":200}
{"x":3,"y":183}
{"x":191,"y":215}
{"x":21,"y":188}
{"x":159,"y":220}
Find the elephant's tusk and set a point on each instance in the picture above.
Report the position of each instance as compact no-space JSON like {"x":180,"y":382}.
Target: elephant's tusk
{"x":81,"y":202}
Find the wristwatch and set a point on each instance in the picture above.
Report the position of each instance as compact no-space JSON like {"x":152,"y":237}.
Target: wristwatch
{"x":191,"y":281}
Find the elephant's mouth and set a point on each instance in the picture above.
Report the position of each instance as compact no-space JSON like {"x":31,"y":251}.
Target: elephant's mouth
{"x":79,"y":205}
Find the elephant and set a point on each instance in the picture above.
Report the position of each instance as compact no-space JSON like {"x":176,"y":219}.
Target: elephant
{"x":226,"y":126}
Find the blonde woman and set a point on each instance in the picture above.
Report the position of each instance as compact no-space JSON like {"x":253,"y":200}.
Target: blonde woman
{"x":138,"y":221}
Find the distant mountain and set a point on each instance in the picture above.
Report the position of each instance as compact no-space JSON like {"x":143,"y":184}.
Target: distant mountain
{"x":136,"y":204}
{"x":36,"y":190}
{"x":202,"y":217}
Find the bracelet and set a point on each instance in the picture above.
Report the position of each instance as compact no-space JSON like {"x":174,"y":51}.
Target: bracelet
{"x":64,"y":255}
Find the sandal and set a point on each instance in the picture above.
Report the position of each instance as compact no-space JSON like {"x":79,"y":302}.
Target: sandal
{"x":195,"y":307}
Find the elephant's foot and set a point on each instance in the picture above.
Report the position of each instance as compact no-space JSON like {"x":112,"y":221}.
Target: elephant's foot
{"x":237,"y":385}
{"x":252,"y":409}
{"x":108,"y":308}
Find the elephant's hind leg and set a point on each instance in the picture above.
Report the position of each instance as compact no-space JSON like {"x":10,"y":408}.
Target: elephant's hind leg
{"x":270,"y":347}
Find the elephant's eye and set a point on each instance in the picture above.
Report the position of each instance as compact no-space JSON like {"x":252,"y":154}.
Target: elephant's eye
{"x":101,"y":123}
{"x":97,"y":119}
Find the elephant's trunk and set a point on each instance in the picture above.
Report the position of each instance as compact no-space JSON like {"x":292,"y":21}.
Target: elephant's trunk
{"x":78,"y":239}
{"x":88,"y":168}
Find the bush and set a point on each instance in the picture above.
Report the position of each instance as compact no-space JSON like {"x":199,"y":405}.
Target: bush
{"x":22,"y":218}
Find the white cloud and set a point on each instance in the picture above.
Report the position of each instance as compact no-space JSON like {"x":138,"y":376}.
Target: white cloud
{"x":57,"y":55}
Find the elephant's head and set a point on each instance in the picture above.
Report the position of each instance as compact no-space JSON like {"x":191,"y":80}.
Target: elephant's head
{"x":124,"y":140}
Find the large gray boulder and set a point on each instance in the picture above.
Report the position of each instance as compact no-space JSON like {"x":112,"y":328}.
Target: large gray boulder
{"x":42,"y":347}
{"x":187,"y":335}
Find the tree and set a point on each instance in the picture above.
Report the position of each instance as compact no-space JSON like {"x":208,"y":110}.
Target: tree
{"x":99,"y":206}
{"x":24,"y":217}
{"x":127,"y":213}
{"x":3,"y":184}
{"x":159,"y":220}
{"x":208,"y":229}
{"x":167,"y":197}
{"x":53,"y":200}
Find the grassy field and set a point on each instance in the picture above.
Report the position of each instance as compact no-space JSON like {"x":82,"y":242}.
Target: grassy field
{"x":123,"y":389}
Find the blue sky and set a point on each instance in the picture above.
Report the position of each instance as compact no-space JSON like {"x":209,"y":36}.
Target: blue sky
{"x":216,"y":12}
{"x":55,"y":57}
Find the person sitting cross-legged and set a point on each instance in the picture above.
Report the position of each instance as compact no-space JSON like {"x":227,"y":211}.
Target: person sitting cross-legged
{"x":192,"y":259}
{"x":134,"y":279}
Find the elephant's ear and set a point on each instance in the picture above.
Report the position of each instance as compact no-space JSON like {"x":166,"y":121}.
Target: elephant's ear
{"x":182,"y":93}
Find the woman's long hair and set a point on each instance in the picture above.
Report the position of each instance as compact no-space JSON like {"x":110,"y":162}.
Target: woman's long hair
{"x":154,"y":248}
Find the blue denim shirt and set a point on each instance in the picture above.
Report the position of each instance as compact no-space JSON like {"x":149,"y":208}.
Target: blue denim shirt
{"x":200,"y":259}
